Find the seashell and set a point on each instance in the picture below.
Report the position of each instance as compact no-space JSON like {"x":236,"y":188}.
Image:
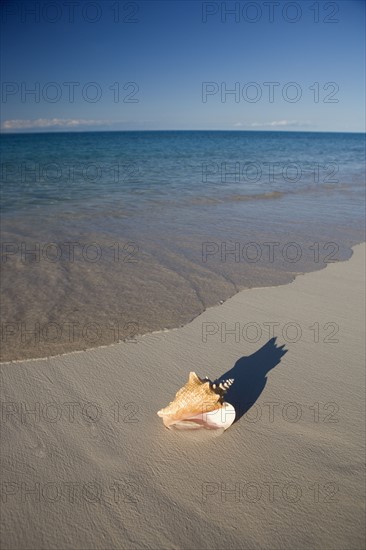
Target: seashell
{"x":199,"y":404}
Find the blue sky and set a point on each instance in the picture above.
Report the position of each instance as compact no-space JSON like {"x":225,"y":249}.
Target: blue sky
{"x":174,"y":62}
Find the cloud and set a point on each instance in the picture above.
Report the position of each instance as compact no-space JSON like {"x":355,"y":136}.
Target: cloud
{"x":280,"y":124}
{"x":19,"y":124}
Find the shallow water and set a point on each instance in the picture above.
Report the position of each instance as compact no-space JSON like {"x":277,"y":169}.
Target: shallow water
{"x":110,"y":235}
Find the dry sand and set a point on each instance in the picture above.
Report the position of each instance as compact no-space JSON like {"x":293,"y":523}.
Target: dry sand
{"x":94,"y":468}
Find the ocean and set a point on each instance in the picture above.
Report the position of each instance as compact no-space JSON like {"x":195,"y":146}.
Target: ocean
{"x":108,"y":235}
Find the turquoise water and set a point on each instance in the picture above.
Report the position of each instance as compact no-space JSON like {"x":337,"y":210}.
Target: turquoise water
{"x":80,"y":170}
{"x":158,"y":198}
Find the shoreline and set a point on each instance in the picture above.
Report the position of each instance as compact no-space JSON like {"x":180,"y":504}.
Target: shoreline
{"x":139,"y":336}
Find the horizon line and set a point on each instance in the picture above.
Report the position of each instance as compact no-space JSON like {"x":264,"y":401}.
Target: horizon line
{"x":6,"y":132}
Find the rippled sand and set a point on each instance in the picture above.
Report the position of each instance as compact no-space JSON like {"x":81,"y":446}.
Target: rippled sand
{"x":87,"y":463}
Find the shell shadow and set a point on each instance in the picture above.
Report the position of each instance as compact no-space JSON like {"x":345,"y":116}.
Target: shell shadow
{"x":250,"y":376}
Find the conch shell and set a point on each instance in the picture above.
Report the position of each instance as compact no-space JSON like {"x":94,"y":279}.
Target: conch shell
{"x":199,"y":404}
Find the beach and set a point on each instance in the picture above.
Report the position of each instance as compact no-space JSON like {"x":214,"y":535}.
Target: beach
{"x":182,"y":275}
{"x":87,"y":463}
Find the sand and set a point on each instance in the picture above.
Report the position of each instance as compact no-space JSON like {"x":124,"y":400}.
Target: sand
{"x":94,"y":468}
